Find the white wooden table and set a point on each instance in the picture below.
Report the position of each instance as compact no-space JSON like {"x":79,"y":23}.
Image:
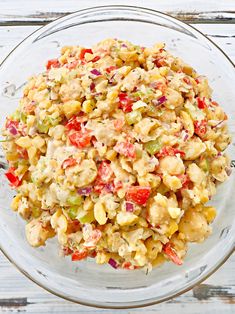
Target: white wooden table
{"x":215,"y":18}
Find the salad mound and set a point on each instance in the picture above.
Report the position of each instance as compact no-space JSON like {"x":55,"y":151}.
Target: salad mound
{"x":116,"y":150}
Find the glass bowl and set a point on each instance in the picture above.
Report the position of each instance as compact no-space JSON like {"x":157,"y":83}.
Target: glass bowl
{"x":85,"y":282}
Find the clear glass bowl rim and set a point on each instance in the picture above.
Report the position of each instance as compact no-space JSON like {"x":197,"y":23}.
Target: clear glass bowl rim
{"x":232,"y":249}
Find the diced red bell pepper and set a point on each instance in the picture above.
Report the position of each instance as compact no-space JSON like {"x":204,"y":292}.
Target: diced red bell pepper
{"x":160,"y":62}
{"x":118,"y":124}
{"x":170,"y":252}
{"x":95,"y":59}
{"x":104,"y":181}
{"x":13,"y":178}
{"x":105,"y":172}
{"x":79,"y":255}
{"x":83,"y":52}
{"x":201,"y":103}
{"x":69,"y":162}
{"x":129,"y":266}
{"x":125,"y":103}
{"x":111,"y":68}
{"x":138,"y":194}
{"x":126,"y":149}
{"x":74,"y":124}
{"x":53,"y":63}
{"x":200,"y":127}
{"x":185,"y":181}
{"x":170,"y":151}
{"x":80,"y":139}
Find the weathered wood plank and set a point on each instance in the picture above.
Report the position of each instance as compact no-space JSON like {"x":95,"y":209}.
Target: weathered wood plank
{"x":42,"y":11}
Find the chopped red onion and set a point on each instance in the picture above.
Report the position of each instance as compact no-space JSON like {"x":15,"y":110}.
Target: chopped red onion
{"x":113,"y":263}
{"x":13,"y":130}
{"x":159,"y":101}
{"x":124,"y":45}
{"x":85,"y":191}
{"x":95,"y":72}
{"x":185,"y":136}
{"x":129,"y":207}
{"x":92,"y":87}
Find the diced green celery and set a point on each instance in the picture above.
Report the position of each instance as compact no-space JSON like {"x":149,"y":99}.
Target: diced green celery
{"x":36,"y":212}
{"x":72,"y":212}
{"x":138,"y":152}
{"x":23,"y":117}
{"x":153,"y":147}
{"x":75,"y":199}
{"x":42,"y":127}
{"x":87,"y":218}
{"x":133,"y":117}
{"x":16,"y":115}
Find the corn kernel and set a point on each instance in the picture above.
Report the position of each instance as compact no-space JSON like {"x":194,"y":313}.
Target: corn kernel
{"x":111,"y":154}
{"x":173,"y":227}
{"x":100,"y":214}
{"x":210,"y":213}
{"x":88,"y":106}
{"x":12,"y":157}
{"x":24,"y":142}
{"x":102,"y":258}
{"x":38,"y":142}
{"x":71,"y":108}
{"x":174,"y":212}
{"x":159,"y":260}
{"x":15,"y":202}
{"x":126,"y":218}
{"x":32,"y":152}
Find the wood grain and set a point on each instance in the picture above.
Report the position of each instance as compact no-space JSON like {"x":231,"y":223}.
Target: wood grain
{"x":38,"y":12}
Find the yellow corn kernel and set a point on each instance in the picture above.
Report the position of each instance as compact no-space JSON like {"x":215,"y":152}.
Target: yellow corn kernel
{"x":172,"y":182}
{"x":21,"y":170}
{"x":173,"y":227}
{"x":46,"y":104}
{"x":118,"y":62}
{"x":155,"y":76}
{"x":163,"y":71}
{"x":210,"y":213}
{"x":142,"y":222}
{"x":31,"y":94}
{"x":32,"y":152}
{"x":15,"y":202}
{"x":102,"y":258}
{"x":42,"y":86}
{"x":12,"y":157}
{"x":153,"y":248}
{"x":88,"y":106}
{"x":159,"y":260}
{"x":92,"y":153}
{"x":71,"y":108}
{"x":126,"y":218}
{"x":38,"y":142}
{"x":111,"y":96}
{"x":141,"y":59}
{"x":174,"y":212}
{"x":100,"y":214}
{"x":111,"y":154}
{"x":24,"y":142}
